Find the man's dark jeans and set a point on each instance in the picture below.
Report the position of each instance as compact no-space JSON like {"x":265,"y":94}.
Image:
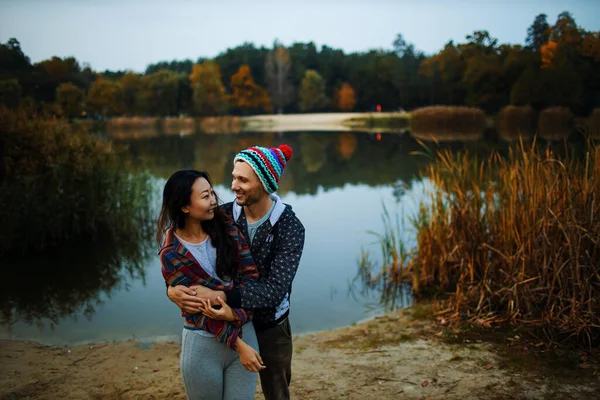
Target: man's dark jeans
{"x":276,"y":350}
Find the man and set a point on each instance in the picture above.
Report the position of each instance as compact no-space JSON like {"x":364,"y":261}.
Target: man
{"x":276,"y":238}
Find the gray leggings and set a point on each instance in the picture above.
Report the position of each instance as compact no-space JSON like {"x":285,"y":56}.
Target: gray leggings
{"x":212,"y":371}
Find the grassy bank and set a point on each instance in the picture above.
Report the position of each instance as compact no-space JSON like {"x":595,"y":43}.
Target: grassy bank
{"x":507,"y":242}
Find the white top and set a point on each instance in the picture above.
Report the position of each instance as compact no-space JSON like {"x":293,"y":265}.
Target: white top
{"x":206,"y":255}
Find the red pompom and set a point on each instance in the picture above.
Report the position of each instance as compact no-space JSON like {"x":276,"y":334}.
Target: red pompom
{"x":287,"y":151}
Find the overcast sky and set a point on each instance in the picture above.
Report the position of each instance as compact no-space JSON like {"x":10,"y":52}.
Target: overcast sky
{"x":130,"y":34}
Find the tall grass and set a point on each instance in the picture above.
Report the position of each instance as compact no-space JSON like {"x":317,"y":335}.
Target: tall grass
{"x":389,"y":274}
{"x":556,"y":123}
{"x":514,"y":122}
{"x":447,"y":122}
{"x":512,"y":240}
{"x":57,"y":183}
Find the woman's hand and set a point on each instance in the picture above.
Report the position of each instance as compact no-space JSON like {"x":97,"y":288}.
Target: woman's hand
{"x":224,"y":313}
{"x":249,"y":357}
{"x":185,"y":298}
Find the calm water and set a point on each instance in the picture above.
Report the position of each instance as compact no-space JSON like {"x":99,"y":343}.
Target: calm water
{"x":337,"y":184}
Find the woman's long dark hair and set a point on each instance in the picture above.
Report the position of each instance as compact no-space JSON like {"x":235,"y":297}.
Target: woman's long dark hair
{"x":176,"y":195}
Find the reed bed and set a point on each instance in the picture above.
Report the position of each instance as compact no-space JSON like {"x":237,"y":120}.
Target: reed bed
{"x":220,"y":125}
{"x":514,"y":122}
{"x":556,"y":123}
{"x":508,"y":241}
{"x":123,"y":123}
{"x":447,"y":123}
{"x":132,"y":127}
{"x":178,"y":126}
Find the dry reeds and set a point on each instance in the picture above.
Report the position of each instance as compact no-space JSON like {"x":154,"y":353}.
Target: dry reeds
{"x":514,"y":122}
{"x":556,"y":123}
{"x":512,"y":240}
{"x":220,"y":125}
{"x":123,"y":123}
{"x":178,"y":126}
{"x":132,"y":127}
{"x":516,"y":240}
{"x":447,"y":123}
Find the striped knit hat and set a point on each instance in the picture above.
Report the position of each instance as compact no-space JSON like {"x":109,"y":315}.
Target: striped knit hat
{"x":267,"y":163}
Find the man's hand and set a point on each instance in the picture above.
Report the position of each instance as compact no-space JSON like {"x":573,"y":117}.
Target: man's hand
{"x":211,"y":295}
{"x":185,"y":298}
{"x":224,"y":313}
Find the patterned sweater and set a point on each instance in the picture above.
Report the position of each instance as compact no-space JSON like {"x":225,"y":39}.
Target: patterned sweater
{"x":179,"y":267}
{"x":276,"y":249}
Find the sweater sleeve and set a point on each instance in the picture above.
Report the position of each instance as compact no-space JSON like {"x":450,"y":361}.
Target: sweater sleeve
{"x":226,"y":332}
{"x":270,"y":290}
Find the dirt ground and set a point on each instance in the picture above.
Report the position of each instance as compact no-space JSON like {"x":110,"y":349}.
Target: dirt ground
{"x":402,"y":355}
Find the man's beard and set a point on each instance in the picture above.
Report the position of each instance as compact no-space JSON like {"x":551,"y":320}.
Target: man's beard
{"x":250,"y":198}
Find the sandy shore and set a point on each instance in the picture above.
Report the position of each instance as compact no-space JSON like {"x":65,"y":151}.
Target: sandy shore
{"x":333,"y":122}
{"x":399,"y":355}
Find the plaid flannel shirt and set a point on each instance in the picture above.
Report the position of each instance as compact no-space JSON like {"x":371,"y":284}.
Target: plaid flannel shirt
{"x":179,"y":267}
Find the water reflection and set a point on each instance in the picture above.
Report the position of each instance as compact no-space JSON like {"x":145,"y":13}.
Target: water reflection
{"x":336,"y":183}
{"x":58,"y":283}
{"x":321,"y":159}
{"x":41,"y":287}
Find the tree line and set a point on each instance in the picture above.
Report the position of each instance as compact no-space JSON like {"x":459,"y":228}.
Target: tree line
{"x":558,"y":65}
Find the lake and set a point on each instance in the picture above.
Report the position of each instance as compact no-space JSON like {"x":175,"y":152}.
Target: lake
{"x":337,"y":183}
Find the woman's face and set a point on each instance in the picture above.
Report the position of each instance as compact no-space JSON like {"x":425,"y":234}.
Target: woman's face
{"x":202,"y":201}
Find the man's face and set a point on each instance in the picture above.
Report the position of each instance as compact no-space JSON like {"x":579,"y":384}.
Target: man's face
{"x":246,"y":185}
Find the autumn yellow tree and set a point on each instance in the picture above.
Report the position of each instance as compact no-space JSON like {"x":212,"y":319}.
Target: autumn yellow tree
{"x":70,"y":100}
{"x":131,"y":84}
{"x":346,"y":98}
{"x":105,"y":98}
{"x":312,"y":92}
{"x":209,"y":96}
{"x":246,"y":95}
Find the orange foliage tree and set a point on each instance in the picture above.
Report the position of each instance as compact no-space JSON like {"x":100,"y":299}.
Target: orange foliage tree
{"x":346,"y":98}
{"x":246,"y":95}
{"x":548,"y":52}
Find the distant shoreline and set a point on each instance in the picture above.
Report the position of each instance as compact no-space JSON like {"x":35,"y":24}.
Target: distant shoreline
{"x":330,"y":122}
{"x":139,"y":127}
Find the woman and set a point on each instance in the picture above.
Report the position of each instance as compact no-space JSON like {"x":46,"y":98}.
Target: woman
{"x":202,"y":247}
